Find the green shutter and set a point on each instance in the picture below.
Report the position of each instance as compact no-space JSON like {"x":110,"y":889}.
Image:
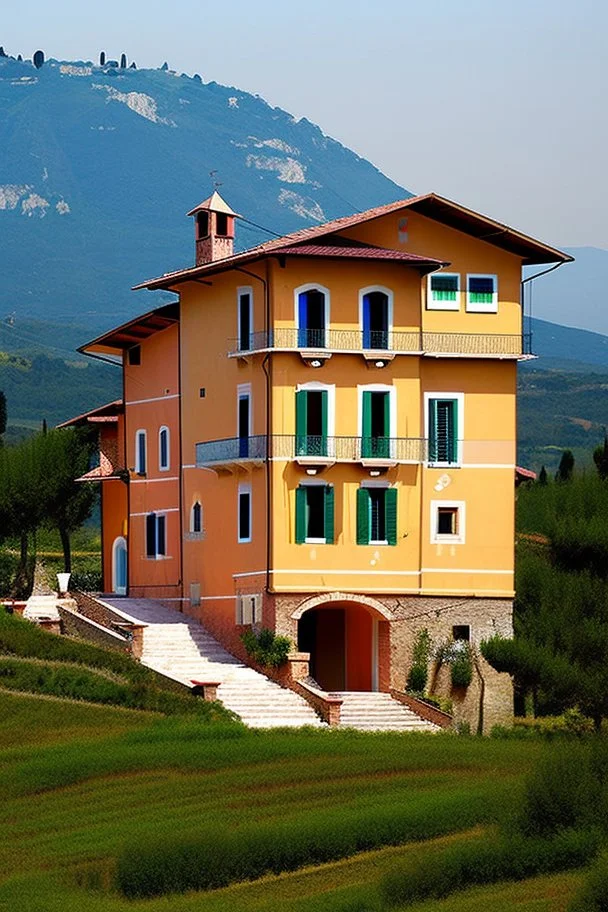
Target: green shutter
{"x":443,"y":430}
{"x":329,"y":514}
{"x":432,"y":430}
{"x":300,"y":515}
{"x":453,"y":432}
{"x":366,"y":443}
{"x":390,"y":514}
{"x":301,"y":422}
{"x":362,"y":516}
{"x":323,"y":441}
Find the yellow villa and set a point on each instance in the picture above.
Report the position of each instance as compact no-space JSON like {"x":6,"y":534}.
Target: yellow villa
{"x":334,"y":413}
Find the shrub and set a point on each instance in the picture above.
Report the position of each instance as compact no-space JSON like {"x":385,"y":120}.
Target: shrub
{"x":266,"y":648}
{"x":487,"y":861}
{"x":458,"y":656}
{"x":593,"y":896}
{"x":418,"y":674}
{"x":86,"y":581}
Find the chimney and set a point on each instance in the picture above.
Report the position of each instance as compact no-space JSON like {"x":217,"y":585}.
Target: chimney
{"x":213,"y":229}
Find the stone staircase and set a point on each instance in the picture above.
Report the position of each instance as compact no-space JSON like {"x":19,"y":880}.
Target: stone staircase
{"x":41,"y":608}
{"x":379,"y":712}
{"x":180,"y":648}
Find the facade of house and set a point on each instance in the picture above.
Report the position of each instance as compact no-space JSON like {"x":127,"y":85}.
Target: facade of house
{"x":319,"y":438}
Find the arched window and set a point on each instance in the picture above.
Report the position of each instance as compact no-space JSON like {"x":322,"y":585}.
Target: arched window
{"x":312,"y":316}
{"x":196,"y":518}
{"x":376,"y":313}
{"x":164,"y":455}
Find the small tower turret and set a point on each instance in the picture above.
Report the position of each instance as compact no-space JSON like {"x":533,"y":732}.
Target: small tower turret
{"x":213,"y":229}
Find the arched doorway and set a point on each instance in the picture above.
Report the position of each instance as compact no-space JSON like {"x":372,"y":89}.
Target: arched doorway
{"x":119,"y":566}
{"x":342,"y":639}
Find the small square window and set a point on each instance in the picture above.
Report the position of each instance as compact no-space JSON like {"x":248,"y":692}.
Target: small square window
{"x":134,"y":356}
{"x":482,"y":294}
{"x":444,"y":291}
{"x":461,"y":632}
{"x":447,"y":522}
{"x":244,"y":514}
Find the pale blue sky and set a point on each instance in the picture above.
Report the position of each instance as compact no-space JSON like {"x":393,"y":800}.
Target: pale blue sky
{"x":501,"y":106}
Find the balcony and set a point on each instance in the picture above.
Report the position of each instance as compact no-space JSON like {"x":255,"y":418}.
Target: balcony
{"x":376,"y":344}
{"x":248,"y":452}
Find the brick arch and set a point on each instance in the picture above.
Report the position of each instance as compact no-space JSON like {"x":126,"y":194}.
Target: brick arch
{"x":328,"y":598}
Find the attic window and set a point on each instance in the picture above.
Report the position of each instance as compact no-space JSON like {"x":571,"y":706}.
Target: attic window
{"x":221,"y":224}
{"x":482,"y":293}
{"x":135,"y":355}
{"x":202,"y":224}
{"x":444,"y":291}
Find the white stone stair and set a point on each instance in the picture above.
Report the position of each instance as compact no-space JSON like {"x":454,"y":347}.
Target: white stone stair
{"x":41,"y":607}
{"x":379,"y":712}
{"x":180,"y":648}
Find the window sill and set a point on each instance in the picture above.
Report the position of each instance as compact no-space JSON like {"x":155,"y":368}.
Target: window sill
{"x":244,"y":541}
{"x":383,"y":542}
{"x":315,"y":541}
{"x":447,"y":540}
{"x":443,"y":305}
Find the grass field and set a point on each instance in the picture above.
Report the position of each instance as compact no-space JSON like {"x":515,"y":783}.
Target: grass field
{"x":82,"y":786}
{"x":109,"y":808}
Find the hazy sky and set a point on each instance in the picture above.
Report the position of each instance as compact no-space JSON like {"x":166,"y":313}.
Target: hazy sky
{"x":501,"y":106}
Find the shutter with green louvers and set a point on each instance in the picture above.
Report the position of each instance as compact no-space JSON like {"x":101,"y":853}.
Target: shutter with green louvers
{"x":329,"y":514}
{"x":443,"y":422}
{"x":300,"y":515}
{"x":390,"y":505}
{"x":366,"y":443}
{"x":301,"y":421}
{"x":362,"y":516}
{"x":323,"y":441}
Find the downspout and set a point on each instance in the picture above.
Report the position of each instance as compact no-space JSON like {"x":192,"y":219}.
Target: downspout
{"x":537,"y":275}
{"x":181,"y":470}
{"x":127,"y":475}
{"x":266,"y":365}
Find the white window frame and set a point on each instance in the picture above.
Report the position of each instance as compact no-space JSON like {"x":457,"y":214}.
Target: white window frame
{"x":161,"y":467}
{"x":119,"y":542}
{"x":244,"y":488}
{"x":460,"y":430}
{"x":460,"y":537}
{"x":442,"y":305}
{"x":312,"y":286}
{"x":243,"y":391}
{"x":315,"y":386}
{"x":392,"y":406}
{"x":192,"y":529}
{"x":491,"y":307}
{"x":243,"y":290}
{"x":141,"y":432}
{"x":389,"y":294}
{"x":316,"y":483}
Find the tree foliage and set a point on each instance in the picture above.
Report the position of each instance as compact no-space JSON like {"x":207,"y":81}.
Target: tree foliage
{"x":3,"y":413}
{"x":565,"y":467}
{"x":560,"y":651}
{"x":600,"y":458}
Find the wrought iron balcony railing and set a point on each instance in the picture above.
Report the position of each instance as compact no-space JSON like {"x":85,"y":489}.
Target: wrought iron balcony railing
{"x":311,"y":448}
{"x":410,"y":342}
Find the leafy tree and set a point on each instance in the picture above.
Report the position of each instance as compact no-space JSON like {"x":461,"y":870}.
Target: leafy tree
{"x":3,"y":413}
{"x":566,"y":466}
{"x":38,"y":59}
{"x":542,"y":476}
{"x":600,"y":458}
{"x":67,"y":503}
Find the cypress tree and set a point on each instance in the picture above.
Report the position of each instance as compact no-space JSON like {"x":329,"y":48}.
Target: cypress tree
{"x":600,"y":458}
{"x":3,"y":413}
{"x":102,"y":58}
{"x":542,"y":476}
{"x":565,"y":467}
{"x":38,"y":59}
{"x":123,"y":61}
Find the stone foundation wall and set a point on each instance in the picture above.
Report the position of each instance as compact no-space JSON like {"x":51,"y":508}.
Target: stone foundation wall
{"x":486,"y":702}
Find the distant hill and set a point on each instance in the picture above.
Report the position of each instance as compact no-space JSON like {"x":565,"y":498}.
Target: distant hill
{"x":100,"y":165}
{"x":567,"y":349}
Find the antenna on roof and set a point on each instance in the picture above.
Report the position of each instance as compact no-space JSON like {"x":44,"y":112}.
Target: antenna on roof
{"x":216,"y":183}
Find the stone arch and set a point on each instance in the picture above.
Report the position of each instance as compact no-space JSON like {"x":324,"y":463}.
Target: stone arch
{"x":326,"y":598}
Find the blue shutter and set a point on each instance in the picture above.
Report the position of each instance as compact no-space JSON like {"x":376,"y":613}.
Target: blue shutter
{"x":303,"y":320}
{"x":367,"y":327}
{"x":161,"y":534}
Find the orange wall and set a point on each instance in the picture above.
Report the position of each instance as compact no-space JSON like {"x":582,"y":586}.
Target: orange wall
{"x":152,"y":401}
{"x":114,"y":524}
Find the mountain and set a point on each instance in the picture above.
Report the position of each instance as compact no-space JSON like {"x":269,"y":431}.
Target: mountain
{"x":100,"y":165}
{"x":576,"y":294}
{"x":566,"y":349}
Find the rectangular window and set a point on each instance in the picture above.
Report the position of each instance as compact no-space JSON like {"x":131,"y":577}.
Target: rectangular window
{"x":376,"y":430}
{"x":311,"y":319}
{"x":482,"y":293}
{"x":156,"y":535}
{"x":244,"y":422}
{"x":443,"y":431}
{"x":443,"y":291}
{"x":447,"y":522}
{"x":311,"y":422}
{"x":377,"y":516}
{"x":315,"y":514}
{"x":163,"y":449}
{"x":245,"y":327}
{"x":244,"y":517}
{"x":134,"y":356}
{"x":140,"y":452}
{"x":376,"y":320}
{"x":461,"y":632}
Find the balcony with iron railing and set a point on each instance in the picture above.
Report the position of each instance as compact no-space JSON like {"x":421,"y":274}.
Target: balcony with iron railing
{"x":235,"y":453}
{"x":375,"y":343}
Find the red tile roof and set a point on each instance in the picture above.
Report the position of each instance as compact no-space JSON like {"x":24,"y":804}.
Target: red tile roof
{"x":108,"y":412}
{"x":358,"y":252}
{"x":430,"y":204}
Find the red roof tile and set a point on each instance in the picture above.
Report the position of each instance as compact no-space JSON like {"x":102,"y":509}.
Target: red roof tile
{"x":358,"y":252}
